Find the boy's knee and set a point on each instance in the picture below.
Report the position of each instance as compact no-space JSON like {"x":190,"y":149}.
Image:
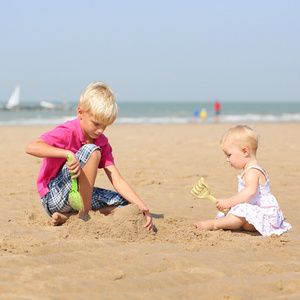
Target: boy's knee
{"x":96,"y":154}
{"x":88,"y":151}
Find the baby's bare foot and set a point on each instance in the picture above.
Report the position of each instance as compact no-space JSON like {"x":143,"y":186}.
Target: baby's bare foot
{"x":58,"y":219}
{"x":205,"y":225}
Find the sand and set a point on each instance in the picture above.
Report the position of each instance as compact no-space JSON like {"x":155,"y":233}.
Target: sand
{"x":114,"y":257}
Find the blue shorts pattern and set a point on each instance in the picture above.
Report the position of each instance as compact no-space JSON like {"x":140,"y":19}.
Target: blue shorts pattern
{"x":56,"y":200}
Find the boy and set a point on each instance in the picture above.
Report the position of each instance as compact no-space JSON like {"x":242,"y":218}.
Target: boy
{"x":83,"y":140}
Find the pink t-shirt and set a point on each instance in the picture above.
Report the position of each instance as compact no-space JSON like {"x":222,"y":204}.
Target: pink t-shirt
{"x":68,"y":136}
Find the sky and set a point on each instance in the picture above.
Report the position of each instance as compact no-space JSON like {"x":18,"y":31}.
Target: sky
{"x":151,"y":50}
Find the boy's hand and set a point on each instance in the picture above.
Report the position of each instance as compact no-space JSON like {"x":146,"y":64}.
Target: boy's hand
{"x":74,"y":166}
{"x":149,"y":224}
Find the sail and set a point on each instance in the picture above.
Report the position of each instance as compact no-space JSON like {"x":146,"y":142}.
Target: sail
{"x":14,"y":99}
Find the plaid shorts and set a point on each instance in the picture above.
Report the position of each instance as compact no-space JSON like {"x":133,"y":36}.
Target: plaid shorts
{"x":56,"y":200}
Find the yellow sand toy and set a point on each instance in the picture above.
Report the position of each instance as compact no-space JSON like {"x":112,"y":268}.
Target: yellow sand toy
{"x":202,"y":191}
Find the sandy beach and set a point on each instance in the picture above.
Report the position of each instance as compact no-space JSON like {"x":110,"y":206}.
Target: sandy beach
{"x":114,"y":257}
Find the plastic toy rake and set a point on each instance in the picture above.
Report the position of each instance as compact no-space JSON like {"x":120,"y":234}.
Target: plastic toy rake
{"x":74,"y":196}
{"x":202,"y":191}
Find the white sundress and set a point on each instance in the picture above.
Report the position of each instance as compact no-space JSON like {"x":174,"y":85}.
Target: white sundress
{"x":262,"y":211}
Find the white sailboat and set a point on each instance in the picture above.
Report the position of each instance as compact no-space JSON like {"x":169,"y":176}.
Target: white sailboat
{"x":14,"y":99}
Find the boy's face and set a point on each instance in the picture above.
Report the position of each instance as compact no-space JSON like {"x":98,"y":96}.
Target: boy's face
{"x":91,"y":128}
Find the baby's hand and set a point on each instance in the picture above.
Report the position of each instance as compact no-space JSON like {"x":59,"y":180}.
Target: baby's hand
{"x":222,"y":204}
{"x":74,"y":166}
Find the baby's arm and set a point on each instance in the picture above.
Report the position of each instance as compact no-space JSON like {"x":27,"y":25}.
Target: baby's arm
{"x":126,"y":191}
{"x":251,"y":180}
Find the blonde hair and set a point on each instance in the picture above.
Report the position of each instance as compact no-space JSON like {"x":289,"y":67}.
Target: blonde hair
{"x":242,"y":136}
{"x":99,"y":101}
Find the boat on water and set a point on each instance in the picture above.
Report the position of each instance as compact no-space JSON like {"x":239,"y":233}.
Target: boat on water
{"x":13,"y":104}
{"x":14,"y":100}
{"x":48,"y":105}
{"x":52,"y":106}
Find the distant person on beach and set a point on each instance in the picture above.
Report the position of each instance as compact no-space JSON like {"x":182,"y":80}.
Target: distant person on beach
{"x":83,"y":140}
{"x":217,"y":108}
{"x":196,"y":115}
{"x":203,"y":114}
{"x":253,"y":208}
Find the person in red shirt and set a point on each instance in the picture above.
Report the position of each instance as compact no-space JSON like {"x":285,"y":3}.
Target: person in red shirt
{"x":217,"y":107}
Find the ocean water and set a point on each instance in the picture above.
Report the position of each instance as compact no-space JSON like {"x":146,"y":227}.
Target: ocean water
{"x":161,"y":113}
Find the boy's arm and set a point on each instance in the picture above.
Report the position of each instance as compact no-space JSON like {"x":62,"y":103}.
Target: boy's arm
{"x":126,"y":191}
{"x":40,"y":148}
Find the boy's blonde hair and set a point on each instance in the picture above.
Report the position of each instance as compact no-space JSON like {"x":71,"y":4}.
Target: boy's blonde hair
{"x":242,"y":136}
{"x":99,"y":101}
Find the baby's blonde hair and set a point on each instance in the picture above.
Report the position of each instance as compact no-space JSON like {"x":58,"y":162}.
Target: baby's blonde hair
{"x":242,"y":136}
{"x":99,"y":101}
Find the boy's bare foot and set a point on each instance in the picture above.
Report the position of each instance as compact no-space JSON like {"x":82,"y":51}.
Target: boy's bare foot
{"x":58,"y":219}
{"x":205,"y":225}
{"x":61,"y":218}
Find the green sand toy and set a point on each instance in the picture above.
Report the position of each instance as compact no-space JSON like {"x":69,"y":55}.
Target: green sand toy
{"x":202,"y":191}
{"x":74,"y":196}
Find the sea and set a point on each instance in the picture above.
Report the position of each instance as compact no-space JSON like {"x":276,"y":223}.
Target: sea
{"x":29,"y":114}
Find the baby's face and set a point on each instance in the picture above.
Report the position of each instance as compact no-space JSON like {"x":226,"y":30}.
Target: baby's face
{"x":235,"y":155}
